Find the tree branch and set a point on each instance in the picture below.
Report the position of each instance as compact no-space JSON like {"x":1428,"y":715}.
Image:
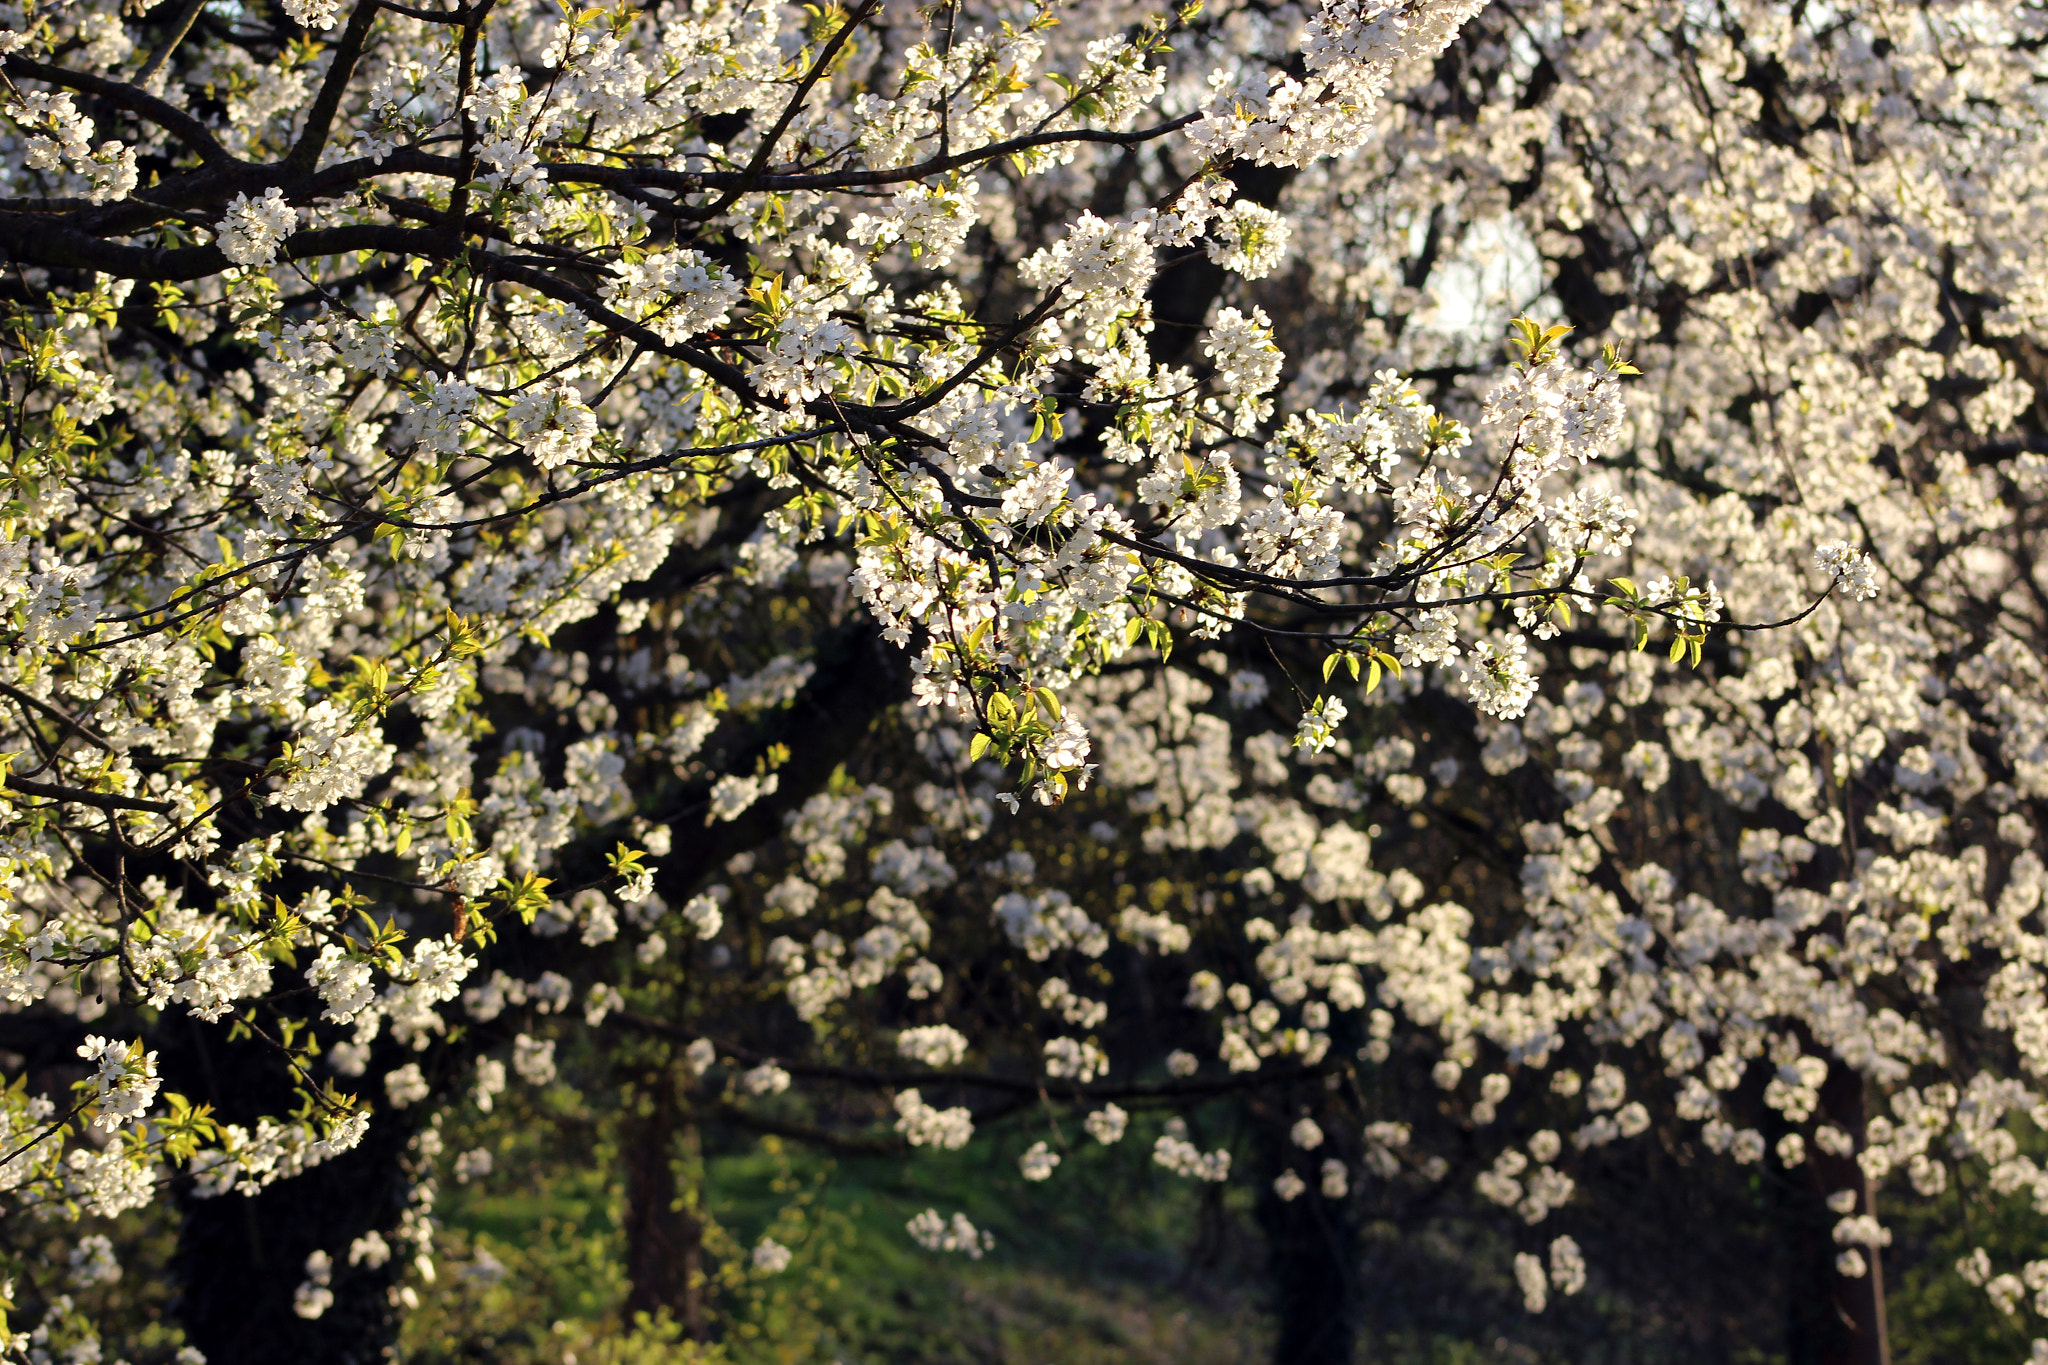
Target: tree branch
{"x":121,"y":95}
{"x":305,"y":153}
{"x":78,"y":796}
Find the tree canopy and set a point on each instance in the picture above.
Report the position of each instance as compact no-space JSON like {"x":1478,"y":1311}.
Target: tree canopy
{"x":1391,"y":602}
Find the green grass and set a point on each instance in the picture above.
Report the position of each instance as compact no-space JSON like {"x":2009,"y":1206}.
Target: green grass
{"x":1093,"y":1266}
{"x":1110,"y":1260}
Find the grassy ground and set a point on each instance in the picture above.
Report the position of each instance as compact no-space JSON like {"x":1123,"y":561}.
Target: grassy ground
{"x":1113,"y":1261}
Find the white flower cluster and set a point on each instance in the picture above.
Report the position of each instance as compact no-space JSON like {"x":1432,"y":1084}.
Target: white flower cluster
{"x":1352,"y":49}
{"x":676,"y":294}
{"x":253,"y":229}
{"x":922,"y":1125}
{"x":124,"y":1080}
{"x":1183,"y":1158}
{"x":933,"y":1044}
{"x":1852,"y":569}
{"x":935,"y":1233}
{"x":400,"y":551}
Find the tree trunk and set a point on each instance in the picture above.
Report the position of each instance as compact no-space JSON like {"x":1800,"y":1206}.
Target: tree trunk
{"x":1839,"y":1320}
{"x":240,"y":1258}
{"x":664,"y":1240}
{"x":1312,"y":1254}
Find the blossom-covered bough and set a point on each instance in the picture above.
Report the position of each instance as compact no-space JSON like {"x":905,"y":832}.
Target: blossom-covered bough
{"x":491,"y":488}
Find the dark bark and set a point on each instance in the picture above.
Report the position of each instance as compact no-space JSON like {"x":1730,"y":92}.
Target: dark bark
{"x":1313,"y":1261}
{"x":664,"y":1239}
{"x":1837,"y":1320}
{"x":1313,"y":1250}
{"x":240,"y":1259}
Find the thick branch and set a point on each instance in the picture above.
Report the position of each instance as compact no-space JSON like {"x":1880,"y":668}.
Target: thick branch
{"x":141,"y":103}
{"x":305,"y":153}
{"x":987,"y":1080}
{"x":78,"y":796}
{"x":32,"y":240}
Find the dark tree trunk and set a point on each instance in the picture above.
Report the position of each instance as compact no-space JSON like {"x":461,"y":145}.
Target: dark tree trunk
{"x":240,"y":1258}
{"x":664,"y":1240}
{"x":1312,"y":1249}
{"x":1838,"y":1320}
{"x":1313,"y":1254}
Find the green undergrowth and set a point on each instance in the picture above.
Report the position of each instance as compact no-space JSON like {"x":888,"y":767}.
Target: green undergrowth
{"x":1112,"y":1260}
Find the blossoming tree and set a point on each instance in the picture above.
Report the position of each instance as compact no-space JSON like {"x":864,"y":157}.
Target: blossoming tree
{"x":519,"y":517}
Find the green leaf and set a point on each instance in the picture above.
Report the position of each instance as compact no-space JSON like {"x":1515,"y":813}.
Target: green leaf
{"x":1615,"y":364}
{"x":526,"y":897}
{"x":977,"y":746}
{"x":1161,"y":638}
